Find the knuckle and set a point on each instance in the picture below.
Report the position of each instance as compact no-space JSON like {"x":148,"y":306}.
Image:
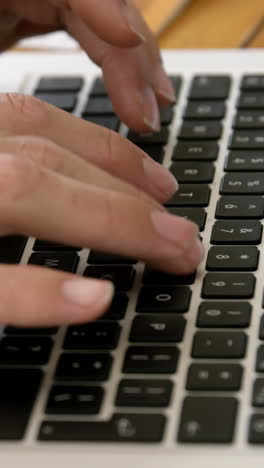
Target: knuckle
{"x":40,"y":150}
{"x":24,"y":110}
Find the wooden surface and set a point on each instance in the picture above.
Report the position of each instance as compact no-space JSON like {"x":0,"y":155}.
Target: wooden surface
{"x":211,"y":23}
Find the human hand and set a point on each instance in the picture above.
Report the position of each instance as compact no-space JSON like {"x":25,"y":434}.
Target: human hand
{"x":79,"y":184}
{"x":114,"y":36}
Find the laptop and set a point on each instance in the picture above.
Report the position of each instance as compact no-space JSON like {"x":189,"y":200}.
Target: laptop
{"x":172,"y":374}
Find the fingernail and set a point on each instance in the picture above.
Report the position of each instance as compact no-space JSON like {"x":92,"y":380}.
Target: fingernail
{"x":197,"y":251}
{"x":133,"y":20}
{"x":164,"y":86}
{"x":160,"y":177}
{"x":86,"y":293}
{"x":150,"y":110}
{"x":168,"y":227}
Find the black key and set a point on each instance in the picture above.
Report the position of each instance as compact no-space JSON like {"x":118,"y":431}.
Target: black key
{"x":101,"y":258}
{"x":163,"y":328}
{"x":122,"y":276}
{"x":84,"y":367}
{"x":193,"y":172}
{"x":46,"y":246}
{"x":191,"y":195}
{"x":195,"y":151}
{"x":18,"y":391}
{"x":214,"y":377}
{"x":137,"y":392}
{"x":12,"y":248}
{"x":176,"y":83}
{"x":229,"y":286}
{"x":151,"y":360}
{"x":154,"y":277}
{"x":202,"y":130}
{"x":256,"y":432}
{"x":65,"y":101}
{"x":199,"y":416}
{"x":258,"y":393}
{"x":260,"y":359}
{"x":98,"y":106}
{"x":74,"y":400}
{"x":247,"y":139}
{"x":224,"y":314}
{"x":30,"y":331}
{"x":108,"y":121}
{"x":97,"y":335}
{"x":156,"y":152}
{"x":98,"y":88}
{"x":197,"y":215}
{"x":210,"y":87}
{"x":64,"y":261}
{"x":252,"y":82}
{"x":25,"y":350}
{"x":117,"y":308}
{"x":242,"y":183}
{"x":166,"y":115}
{"x":222,"y":345}
{"x":251,"y":100}
{"x":240,"y":207}
{"x":244,"y":258}
{"x":120,"y":428}
{"x":205,"y":110}
{"x":149,"y":138}
{"x":249,"y":119}
{"x":164,"y":299}
{"x":236,"y":232}
{"x":60,"y":84}
{"x":261,"y":328}
{"x":245,"y":161}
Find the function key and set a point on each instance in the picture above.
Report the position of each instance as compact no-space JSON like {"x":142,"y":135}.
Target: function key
{"x":199,"y":416}
{"x":202,"y":130}
{"x":244,"y":258}
{"x":196,"y":215}
{"x":205,"y":110}
{"x":245,"y":161}
{"x":166,"y":115}
{"x":60,"y":84}
{"x":98,"y":106}
{"x":224,"y":314}
{"x":64,"y":261}
{"x":240,"y":207}
{"x":149,"y":138}
{"x":101,"y":258}
{"x":64,"y":101}
{"x":258,"y":393}
{"x":156,"y":152}
{"x":247,"y":139}
{"x":260,"y":359}
{"x":137,"y":392}
{"x":222,"y":345}
{"x":117,"y":308}
{"x":222,"y":377}
{"x":163,"y":328}
{"x":96,"y":335}
{"x":12,"y":248}
{"x":190,"y":195}
{"x":74,"y":367}
{"x":98,"y":88}
{"x":195,"y":151}
{"x":176,"y":83}
{"x":25,"y":350}
{"x":74,"y":400}
{"x":242,"y":183}
{"x":236,"y":232}
{"x":108,"y":121}
{"x":256,"y":431}
{"x":164,"y":299}
{"x":122,"y":276}
{"x":261,"y":328}
{"x":252,"y":82}
{"x":193,"y":172}
{"x":151,"y":360}
{"x":152,"y":277}
{"x":210,"y":87}
{"x":251,"y":101}
{"x":228,"y":286}
{"x":249,"y":119}
{"x":120,"y":428}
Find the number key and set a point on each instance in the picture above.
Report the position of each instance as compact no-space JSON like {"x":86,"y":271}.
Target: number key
{"x":236,"y":232}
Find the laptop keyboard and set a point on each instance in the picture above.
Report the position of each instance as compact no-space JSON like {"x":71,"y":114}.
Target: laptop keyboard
{"x":116,"y":379}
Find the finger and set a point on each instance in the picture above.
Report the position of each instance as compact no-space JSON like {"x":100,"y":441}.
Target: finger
{"x":55,"y":158}
{"x":24,"y":115}
{"x":34,"y":296}
{"x":39,"y":202}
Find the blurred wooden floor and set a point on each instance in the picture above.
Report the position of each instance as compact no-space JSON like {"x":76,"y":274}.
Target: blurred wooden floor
{"x":213,"y":24}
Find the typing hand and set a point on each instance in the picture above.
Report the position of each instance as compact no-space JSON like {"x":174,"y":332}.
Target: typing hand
{"x":115,"y":36}
{"x":79,"y":184}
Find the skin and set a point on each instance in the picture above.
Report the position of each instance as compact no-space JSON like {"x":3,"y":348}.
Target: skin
{"x":55,"y":167}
